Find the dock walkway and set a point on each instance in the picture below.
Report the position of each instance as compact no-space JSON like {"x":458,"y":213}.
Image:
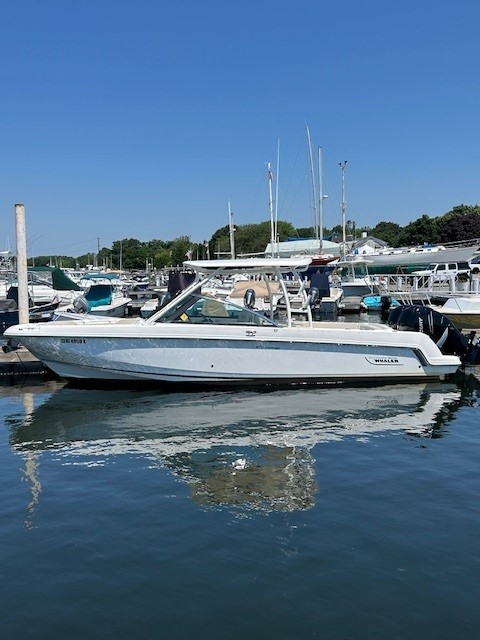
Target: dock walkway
{"x":20,"y":362}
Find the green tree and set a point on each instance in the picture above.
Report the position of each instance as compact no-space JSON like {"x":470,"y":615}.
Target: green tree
{"x":461,"y":223}
{"x":249,"y":238}
{"x":304,"y":232}
{"x":423,"y":230}
{"x":179,"y":250}
{"x":387,"y":231}
{"x":67,"y":262}
{"x":162,"y":258}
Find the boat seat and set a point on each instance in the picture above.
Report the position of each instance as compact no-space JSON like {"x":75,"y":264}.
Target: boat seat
{"x":214,"y":308}
{"x":259,"y":286}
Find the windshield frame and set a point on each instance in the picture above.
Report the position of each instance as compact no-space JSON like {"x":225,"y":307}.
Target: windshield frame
{"x":191,"y":309}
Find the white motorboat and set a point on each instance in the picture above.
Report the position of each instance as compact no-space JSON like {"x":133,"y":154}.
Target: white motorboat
{"x":464,"y":312}
{"x":46,"y":285}
{"x":197,"y":339}
{"x":353,"y":277}
{"x":100,"y":299}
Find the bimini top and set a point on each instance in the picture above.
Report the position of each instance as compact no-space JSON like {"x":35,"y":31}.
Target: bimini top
{"x":249,"y":265}
{"x":60,"y":280}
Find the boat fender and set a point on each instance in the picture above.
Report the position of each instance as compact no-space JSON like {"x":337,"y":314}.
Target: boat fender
{"x":249,"y":298}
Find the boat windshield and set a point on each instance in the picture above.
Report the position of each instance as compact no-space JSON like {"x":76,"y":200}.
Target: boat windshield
{"x":358,"y":270}
{"x":203,"y":309}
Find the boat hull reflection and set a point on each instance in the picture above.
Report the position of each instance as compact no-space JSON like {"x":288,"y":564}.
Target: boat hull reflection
{"x":238,"y":448}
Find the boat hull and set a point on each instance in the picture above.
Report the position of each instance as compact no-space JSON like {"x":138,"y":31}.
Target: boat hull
{"x":464,"y":320}
{"x":239,"y":355}
{"x":463,"y":312}
{"x":411,"y":260}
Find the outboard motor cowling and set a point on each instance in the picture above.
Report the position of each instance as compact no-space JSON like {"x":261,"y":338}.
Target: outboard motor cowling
{"x":313,"y":296}
{"x":163,"y":299}
{"x":249,"y":299}
{"x":80,"y":305}
{"x":441,"y":330}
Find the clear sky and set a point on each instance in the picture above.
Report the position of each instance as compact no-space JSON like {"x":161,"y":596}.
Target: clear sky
{"x":142,"y":118}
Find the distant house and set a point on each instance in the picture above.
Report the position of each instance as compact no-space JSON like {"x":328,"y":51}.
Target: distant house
{"x":369,"y":244}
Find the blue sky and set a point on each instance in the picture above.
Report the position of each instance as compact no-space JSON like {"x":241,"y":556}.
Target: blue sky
{"x":123,"y":118}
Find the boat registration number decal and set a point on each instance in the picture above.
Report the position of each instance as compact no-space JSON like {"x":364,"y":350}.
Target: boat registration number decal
{"x":73,"y":340}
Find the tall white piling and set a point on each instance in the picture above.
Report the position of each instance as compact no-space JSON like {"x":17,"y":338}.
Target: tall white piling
{"x":22,"y":273}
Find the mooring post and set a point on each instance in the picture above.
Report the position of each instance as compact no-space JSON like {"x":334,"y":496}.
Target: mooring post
{"x":22,"y":273}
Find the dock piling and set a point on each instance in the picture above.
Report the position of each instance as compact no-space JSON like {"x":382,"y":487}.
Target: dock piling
{"x":22,"y":274}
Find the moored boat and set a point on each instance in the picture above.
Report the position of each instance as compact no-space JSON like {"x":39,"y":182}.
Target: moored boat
{"x":408,"y":259}
{"x":100,"y":299}
{"x":464,"y":312}
{"x":379,"y":303}
{"x":196,"y":339}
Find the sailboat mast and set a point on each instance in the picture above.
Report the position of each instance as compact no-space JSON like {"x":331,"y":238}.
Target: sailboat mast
{"x":312,"y":177}
{"x":232,"y":232}
{"x":343,"y":166}
{"x":276,"y":200}
{"x":321,"y":197}
{"x":270,"y":206}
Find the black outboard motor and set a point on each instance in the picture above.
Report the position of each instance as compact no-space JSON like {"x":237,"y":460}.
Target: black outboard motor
{"x":441,"y":330}
{"x":385,"y":303}
{"x":249,"y":299}
{"x":393,"y":316}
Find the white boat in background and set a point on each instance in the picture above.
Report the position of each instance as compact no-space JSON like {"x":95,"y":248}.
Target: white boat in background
{"x":46,"y":285}
{"x":408,"y":259}
{"x":464,"y":312}
{"x":196,"y":339}
{"x":352,"y":275}
{"x":100,"y":299}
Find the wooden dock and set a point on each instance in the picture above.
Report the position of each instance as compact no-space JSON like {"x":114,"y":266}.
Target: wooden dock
{"x":19,"y":363}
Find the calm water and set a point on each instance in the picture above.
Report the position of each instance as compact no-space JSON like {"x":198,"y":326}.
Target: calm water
{"x":320,"y":513}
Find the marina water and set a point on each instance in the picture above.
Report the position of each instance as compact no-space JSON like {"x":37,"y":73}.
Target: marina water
{"x":299,"y":513}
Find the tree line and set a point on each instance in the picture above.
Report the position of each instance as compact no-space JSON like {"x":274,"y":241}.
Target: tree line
{"x":461,"y":223}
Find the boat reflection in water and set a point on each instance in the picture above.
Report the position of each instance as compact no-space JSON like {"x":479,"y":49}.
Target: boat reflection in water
{"x":246,"y":448}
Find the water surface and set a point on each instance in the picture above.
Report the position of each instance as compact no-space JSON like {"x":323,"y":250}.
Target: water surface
{"x":305,"y":513}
